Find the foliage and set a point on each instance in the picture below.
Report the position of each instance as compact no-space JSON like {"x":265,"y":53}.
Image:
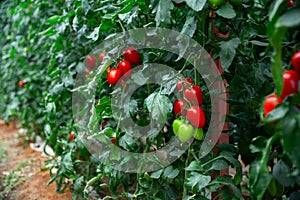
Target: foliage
{"x":44,"y":43}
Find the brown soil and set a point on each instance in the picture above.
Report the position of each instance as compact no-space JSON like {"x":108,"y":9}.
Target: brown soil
{"x":24,"y":164}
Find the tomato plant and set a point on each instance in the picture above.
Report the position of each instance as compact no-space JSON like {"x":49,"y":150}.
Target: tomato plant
{"x":45,"y":45}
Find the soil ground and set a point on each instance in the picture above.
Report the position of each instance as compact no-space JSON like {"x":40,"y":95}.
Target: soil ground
{"x":21,"y":177}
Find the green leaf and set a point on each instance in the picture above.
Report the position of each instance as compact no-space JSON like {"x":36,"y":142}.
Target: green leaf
{"x":194,"y":166}
{"x":219,"y":165}
{"x":259,"y":175}
{"x":197,"y":181}
{"x":157,"y":174}
{"x":291,"y":137}
{"x":159,"y":106}
{"x":95,"y":34}
{"x":282,"y":173}
{"x":277,"y":114}
{"x":228,"y":50}
{"x":163,"y":12}
{"x":226,"y":11}
{"x":54,"y":19}
{"x":196,"y":5}
{"x":170,"y":172}
{"x":289,"y":19}
{"x":275,"y":9}
{"x":190,"y":26}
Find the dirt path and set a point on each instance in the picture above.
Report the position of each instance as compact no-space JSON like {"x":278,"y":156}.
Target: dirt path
{"x":21,"y":177}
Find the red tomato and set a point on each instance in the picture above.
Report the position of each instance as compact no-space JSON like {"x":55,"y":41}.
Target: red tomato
{"x":270,"y":103}
{"x":101,"y":56}
{"x":86,"y":73}
{"x":114,"y":75}
{"x":296,"y":61}
{"x":290,"y":83}
{"x":194,"y":95}
{"x":125,"y":67}
{"x":291,"y":4}
{"x":104,"y":123}
{"x":186,"y":83}
{"x":196,"y":116}
{"x":178,"y":107}
{"x":90,"y":61}
{"x":71,"y":136}
{"x":114,"y":140}
{"x":21,"y":84}
{"x":132,"y":55}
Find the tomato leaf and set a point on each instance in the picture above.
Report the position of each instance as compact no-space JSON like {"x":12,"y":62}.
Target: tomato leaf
{"x":291,"y":136}
{"x":197,"y":181}
{"x":282,"y":173}
{"x":189,"y":26}
{"x":163,"y":12}
{"x":196,"y":5}
{"x":226,"y":11}
{"x":159,"y":106}
{"x":289,"y":19}
{"x":228,"y":51}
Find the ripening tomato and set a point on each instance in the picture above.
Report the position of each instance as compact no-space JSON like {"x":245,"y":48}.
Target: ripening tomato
{"x":187,"y":82}
{"x":125,"y":67}
{"x":87,"y":72}
{"x":291,"y":3}
{"x":194,"y":95}
{"x":179,"y":107}
{"x":132,"y":55}
{"x":296,"y":62}
{"x":290,"y":83}
{"x":71,"y":136}
{"x":114,"y":75}
{"x":90,"y":61}
{"x":101,"y":56}
{"x":21,"y":84}
{"x":270,"y":103}
{"x":114,"y":140}
{"x":185,"y":132}
{"x":216,"y":2}
{"x":196,"y":116}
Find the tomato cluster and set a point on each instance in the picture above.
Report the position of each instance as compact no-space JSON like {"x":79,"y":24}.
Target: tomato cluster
{"x":291,"y":83}
{"x":132,"y":57}
{"x":191,"y":117}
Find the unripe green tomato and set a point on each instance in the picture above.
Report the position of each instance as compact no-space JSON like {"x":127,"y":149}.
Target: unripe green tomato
{"x":198,"y":134}
{"x":185,"y":132}
{"x":216,"y":2}
{"x":176,"y":124}
{"x":236,"y":2}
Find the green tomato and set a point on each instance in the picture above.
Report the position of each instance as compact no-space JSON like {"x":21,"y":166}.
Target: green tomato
{"x":185,"y":132}
{"x":198,"y":134}
{"x":176,"y":124}
{"x":236,"y":2}
{"x":216,"y":2}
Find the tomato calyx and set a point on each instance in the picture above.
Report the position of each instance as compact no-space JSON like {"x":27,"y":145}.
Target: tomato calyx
{"x":186,"y":83}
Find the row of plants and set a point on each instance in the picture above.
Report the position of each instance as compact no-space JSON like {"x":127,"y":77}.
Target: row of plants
{"x":45,"y":45}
